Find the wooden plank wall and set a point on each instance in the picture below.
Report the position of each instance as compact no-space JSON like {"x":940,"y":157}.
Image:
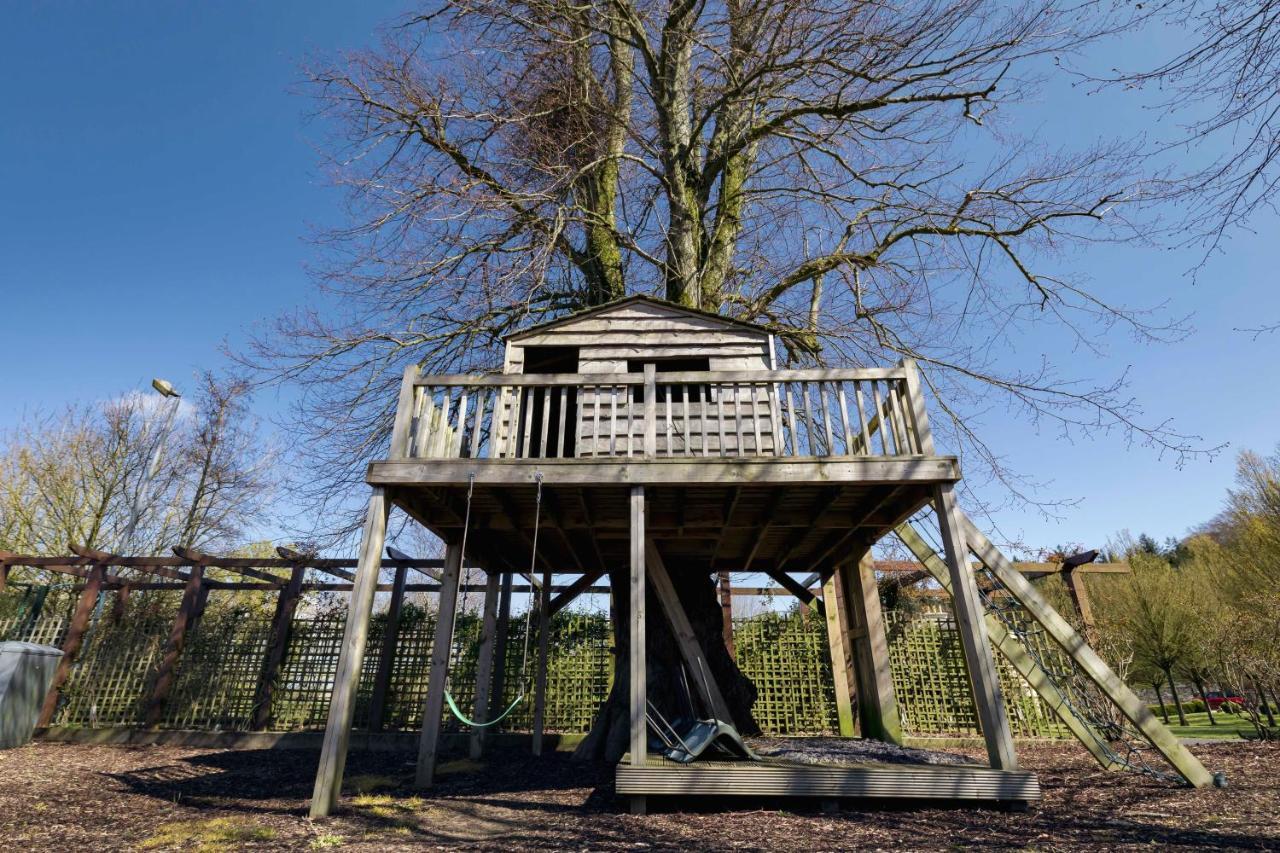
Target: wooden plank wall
{"x":608,"y":340}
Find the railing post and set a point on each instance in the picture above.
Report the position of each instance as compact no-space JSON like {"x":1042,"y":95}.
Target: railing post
{"x":400,"y":432}
{"x":650,"y":411}
{"x":915,"y":403}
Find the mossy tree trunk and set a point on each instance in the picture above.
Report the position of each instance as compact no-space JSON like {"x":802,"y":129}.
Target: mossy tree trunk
{"x":670,"y":684}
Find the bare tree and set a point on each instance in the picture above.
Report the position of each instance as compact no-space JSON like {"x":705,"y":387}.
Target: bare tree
{"x":809,"y":165}
{"x":75,"y":477}
{"x":1223,"y":88}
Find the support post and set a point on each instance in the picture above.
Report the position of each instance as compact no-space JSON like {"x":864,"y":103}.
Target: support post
{"x":726,"y":610}
{"x":500,"y":647}
{"x":182,"y":622}
{"x":281,"y":622}
{"x":387,"y":654}
{"x":484,"y":666}
{"x":544,"y":644}
{"x":639,"y":689}
{"x":438,"y":680}
{"x":839,"y":642}
{"x":342,"y":706}
{"x":651,"y":411}
{"x":973,"y":634}
{"x":72,"y":642}
{"x":877,"y":702}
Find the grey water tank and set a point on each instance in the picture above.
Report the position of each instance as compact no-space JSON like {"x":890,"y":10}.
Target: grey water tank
{"x":26,"y":672}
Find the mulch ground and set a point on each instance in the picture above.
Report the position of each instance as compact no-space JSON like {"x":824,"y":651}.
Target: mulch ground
{"x":71,"y":797}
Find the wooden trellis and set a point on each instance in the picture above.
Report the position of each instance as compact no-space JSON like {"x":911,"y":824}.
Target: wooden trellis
{"x":785,"y":654}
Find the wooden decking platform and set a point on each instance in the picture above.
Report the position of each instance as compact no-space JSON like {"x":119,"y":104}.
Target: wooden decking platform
{"x":778,"y":778}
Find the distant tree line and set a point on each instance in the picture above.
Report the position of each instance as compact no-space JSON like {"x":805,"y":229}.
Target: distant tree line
{"x":1205,"y":611}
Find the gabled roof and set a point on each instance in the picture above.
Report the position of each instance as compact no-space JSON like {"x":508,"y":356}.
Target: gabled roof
{"x":629,"y":300}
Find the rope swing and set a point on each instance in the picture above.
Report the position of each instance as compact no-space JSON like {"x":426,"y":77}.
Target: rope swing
{"x":524,"y":663}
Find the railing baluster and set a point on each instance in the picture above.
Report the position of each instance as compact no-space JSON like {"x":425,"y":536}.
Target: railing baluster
{"x":755,"y":418}
{"x":826,"y":418}
{"x":543,"y":450}
{"x":880,"y":414}
{"x":775,"y":427}
{"x":562,"y":440}
{"x":844,"y":417}
{"x":613,"y":420}
{"x":901,"y":434}
{"x":862,"y":418}
{"x":417,"y":428}
{"x":579,"y":414}
{"x":456,"y":448}
{"x":720,"y":418}
{"x":477,"y":428}
{"x":791,"y":420}
{"x":440,"y":443}
{"x":684,"y":408}
{"x":704,"y":400}
{"x":631,"y":420}
{"x":667,"y":406}
{"x":810,"y":436}
{"x":737,"y":419}
{"x":595,"y":421}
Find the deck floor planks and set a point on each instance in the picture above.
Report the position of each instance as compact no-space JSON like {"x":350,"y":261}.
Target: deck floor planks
{"x":780,"y":777}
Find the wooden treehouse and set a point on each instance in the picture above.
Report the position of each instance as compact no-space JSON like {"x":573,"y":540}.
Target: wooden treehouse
{"x":644,"y":436}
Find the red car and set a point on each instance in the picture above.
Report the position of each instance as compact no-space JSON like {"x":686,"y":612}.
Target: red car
{"x":1217,"y":699}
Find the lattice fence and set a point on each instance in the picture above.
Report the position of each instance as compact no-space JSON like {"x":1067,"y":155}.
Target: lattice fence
{"x":788,"y":659}
{"x":786,"y":655}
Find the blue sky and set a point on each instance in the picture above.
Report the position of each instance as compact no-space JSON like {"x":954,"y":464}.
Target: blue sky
{"x":158,"y":181}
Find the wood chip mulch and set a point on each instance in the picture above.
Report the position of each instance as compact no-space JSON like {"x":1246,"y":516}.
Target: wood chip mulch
{"x":74,"y":797}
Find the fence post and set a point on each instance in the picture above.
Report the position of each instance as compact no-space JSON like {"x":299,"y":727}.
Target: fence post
{"x":386,"y":660}
{"x":173,"y":647}
{"x":277,"y":645}
{"x":71,"y":644}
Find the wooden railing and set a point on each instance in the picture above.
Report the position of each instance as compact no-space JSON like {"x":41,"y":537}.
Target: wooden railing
{"x":778,"y":413}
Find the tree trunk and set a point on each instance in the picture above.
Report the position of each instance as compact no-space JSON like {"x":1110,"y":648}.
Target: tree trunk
{"x":1266,"y":707}
{"x":1177,"y":703}
{"x":1164,"y":711}
{"x":667,"y":677}
{"x":1204,"y":697}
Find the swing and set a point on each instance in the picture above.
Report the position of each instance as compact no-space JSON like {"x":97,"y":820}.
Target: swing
{"x":524,"y":663}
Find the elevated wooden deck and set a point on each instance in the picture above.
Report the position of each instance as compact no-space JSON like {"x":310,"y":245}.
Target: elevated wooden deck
{"x":777,"y":778}
{"x":762,"y":470}
{"x":757,"y":526}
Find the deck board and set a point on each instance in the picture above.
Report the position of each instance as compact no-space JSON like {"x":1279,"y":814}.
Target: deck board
{"x":774,"y":777}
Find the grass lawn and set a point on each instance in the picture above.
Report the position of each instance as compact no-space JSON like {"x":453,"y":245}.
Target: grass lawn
{"x":1198,"y":725}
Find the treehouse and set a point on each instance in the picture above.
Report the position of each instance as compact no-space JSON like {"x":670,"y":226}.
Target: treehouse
{"x":656,"y":445}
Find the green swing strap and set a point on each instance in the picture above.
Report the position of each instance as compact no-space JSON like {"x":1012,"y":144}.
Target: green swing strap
{"x":453,"y":706}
